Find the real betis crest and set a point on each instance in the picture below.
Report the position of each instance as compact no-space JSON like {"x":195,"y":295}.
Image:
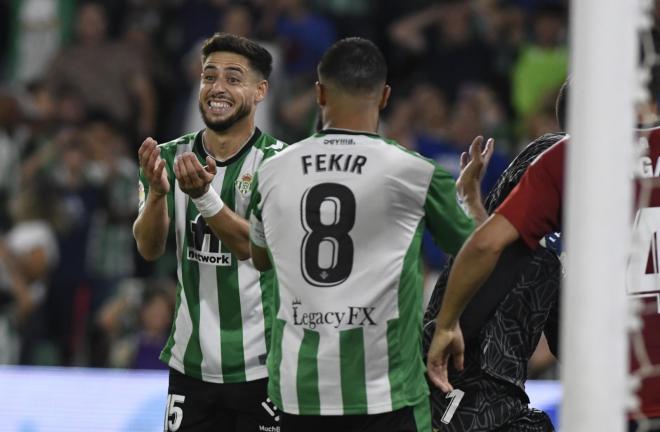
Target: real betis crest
{"x":243,"y":184}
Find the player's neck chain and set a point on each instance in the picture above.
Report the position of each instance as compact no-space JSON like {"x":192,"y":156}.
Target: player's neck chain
{"x":238,"y":150}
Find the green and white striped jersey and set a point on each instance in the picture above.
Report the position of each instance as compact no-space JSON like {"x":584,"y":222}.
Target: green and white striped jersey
{"x":220,"y":333}
{"x":343,"y":215}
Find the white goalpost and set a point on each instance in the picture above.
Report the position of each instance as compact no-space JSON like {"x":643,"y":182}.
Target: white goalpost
{"x":598,"y":210}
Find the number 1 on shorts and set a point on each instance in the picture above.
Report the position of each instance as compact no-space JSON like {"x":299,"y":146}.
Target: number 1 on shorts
{"x":456,"y":396}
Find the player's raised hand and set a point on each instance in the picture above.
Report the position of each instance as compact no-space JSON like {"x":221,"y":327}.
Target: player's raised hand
{"x":194,"y":179}
{"x":474,"y":164}
{"x":153,"y":167}
{"x":445,"y":344}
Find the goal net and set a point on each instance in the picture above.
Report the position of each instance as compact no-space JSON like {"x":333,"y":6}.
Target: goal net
{"x":600,"y":321}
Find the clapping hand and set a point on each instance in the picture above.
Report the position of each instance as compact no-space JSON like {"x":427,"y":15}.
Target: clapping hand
{"x":194,"y":179}
{"x":153,"y":167}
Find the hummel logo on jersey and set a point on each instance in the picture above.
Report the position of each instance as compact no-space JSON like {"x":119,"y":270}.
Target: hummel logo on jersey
{"x":352,"y":316}
{"x":271,"y":409}
{"x":204,"y":247}
{"x":279,"y":145}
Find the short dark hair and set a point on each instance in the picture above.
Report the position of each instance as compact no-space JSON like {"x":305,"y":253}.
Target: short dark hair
{"x":561,"y":105}
{"x":354,"y":64}
{"x":258,"y":56}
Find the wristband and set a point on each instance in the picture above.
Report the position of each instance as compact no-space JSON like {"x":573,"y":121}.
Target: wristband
{"x":209,"y":204}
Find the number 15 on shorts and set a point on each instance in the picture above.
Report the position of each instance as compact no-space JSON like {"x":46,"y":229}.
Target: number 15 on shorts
{"x":174,"y":413}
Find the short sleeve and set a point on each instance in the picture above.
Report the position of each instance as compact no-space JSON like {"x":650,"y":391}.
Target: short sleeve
{"x":254,"y":215}
{"x":534,"y":207}
{"x":445,"y":218}
{"x":255,"y":205}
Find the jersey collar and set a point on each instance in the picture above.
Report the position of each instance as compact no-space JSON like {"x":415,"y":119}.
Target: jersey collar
{"x":200,"y":150}
{"x":337,"y":131}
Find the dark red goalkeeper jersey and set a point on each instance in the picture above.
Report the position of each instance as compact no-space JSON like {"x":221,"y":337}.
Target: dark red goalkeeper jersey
{"x":534,"y":208}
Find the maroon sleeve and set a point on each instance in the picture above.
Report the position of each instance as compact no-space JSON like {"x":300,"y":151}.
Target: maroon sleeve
{"x":534,"y":207}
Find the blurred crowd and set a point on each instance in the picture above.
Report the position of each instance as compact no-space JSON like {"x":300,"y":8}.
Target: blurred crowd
{"x":82,"y":83}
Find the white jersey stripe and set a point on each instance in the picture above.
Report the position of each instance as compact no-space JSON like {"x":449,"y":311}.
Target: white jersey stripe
{"x":329,"y":374}
{"x":209,"y":310}
{"x":209,"y":334}
{"x":183,"y":324}
{"x":291,"y":340}
{"x":181,"y":335}
{"x":254,"y":343}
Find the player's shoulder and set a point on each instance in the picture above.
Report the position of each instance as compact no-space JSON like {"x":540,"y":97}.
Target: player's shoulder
{"x":378,"y":143}
{"x":268,"y":144}
{"x":407,"y":152}
{"x":173,"y":145}
{"x":412,"y":161}
{"x":388,"y":150}
{"x":554,"y":154}
{"x":284,"y":151}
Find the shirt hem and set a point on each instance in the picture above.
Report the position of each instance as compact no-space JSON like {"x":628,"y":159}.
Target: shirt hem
{"x":359,"y":409}
{"x":255,"y":374}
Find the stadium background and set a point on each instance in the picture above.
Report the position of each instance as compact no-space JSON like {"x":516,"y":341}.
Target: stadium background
{"x":83,"y":83}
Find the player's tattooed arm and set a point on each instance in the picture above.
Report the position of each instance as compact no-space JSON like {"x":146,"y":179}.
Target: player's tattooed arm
{"x":195,"y":180}
{"x":474,"y":164}
{"x":151,"y":226}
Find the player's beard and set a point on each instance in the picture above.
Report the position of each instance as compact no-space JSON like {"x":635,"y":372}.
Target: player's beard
{"x":222,"y":125}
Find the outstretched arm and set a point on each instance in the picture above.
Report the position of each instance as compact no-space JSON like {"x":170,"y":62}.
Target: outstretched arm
{"x":472,"y":266}
{"x":195,"y":180}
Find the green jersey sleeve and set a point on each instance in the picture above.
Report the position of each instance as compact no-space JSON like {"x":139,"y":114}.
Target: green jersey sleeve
{"x":448,"y":223}
{"x":254,"y":208}
{"x":254,"y":211}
